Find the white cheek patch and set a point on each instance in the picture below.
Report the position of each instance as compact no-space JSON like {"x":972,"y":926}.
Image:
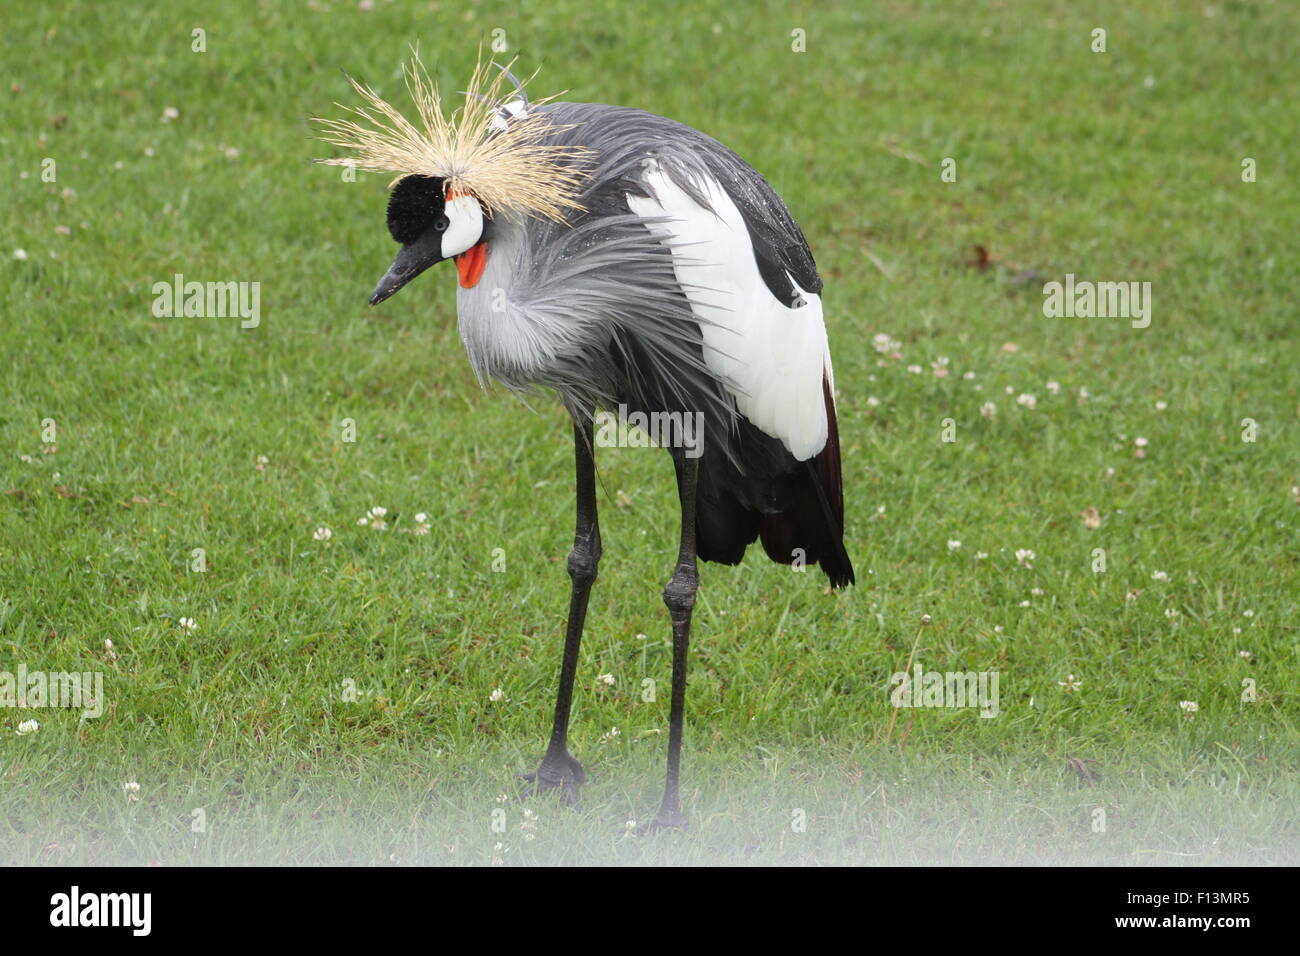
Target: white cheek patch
{"x":464,"y":226}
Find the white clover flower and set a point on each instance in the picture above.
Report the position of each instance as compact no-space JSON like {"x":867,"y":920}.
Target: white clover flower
{"x":131,"y":789}
{"x":497,"y":694}
{"x":1036,"y":592}
{"x":1054,"y":388}
{"x":1161,"y":406}
{"x":1070,"y":684}
{"x":606,"y":679}
{"x":940,"y":367}
{"x":884,"y":344}
{"x":988,"y":410}
{"x":1027,"y":400}
{"x":872,"y":401}
{"x":1159,"y":576}
{"x":914,"y":369}
{"x":363,"y":521}
{"x":1083,"y":393}
{"x":170,"y":113}
{"x":968,"y":376}
{"x":1247,"y":613}
{"x":1024,"y":604}
{"x":378,"y":511}
{"x":322,"y":534}
{"x":188,"y":624}
{"x":1025,"y":557}
{"x":981,"y":555}
{"x":609,"y":735}
{"x":954,"y":544}
{"x":1170,"y":613}
{"x":421,"y":517}
{"x":1245,"y":655}
{"x":1189,"y":707}
{"x":28,"y":727}
{"x":529,"y":826}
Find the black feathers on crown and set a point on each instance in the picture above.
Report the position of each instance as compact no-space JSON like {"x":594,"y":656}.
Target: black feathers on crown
{"x":414,"y":206}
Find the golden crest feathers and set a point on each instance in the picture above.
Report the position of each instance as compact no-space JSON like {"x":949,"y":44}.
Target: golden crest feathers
{"x":503,"y":162}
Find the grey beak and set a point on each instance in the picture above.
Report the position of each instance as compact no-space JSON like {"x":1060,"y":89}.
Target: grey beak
{"x":412,"y":259}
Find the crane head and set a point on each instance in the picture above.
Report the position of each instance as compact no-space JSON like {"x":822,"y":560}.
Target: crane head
{"x":432,"y":224}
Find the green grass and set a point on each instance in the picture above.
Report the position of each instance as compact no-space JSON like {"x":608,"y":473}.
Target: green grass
{"x":1115,"y":166}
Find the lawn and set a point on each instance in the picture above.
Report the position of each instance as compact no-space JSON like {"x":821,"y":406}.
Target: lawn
{"x":367,"y":697}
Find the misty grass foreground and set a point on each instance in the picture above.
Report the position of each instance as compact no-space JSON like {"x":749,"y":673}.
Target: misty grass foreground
{"x":329,"y":697}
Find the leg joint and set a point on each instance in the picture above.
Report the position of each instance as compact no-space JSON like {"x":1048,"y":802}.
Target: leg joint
{"x":584,"y":558}
{"x":679,"y":595}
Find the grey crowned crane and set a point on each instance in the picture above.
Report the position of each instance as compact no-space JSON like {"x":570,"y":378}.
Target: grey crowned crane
{"x":625,"y":260}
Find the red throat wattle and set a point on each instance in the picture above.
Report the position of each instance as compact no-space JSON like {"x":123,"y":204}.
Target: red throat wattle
{"x":470,"y":264}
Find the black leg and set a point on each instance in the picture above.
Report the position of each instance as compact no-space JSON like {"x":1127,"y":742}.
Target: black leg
{"x":559,"y":768}
{"x":679,"y":595}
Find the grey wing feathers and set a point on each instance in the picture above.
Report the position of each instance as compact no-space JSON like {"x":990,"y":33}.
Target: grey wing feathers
{"x":604,"y":276}
{"x":623,"y":138}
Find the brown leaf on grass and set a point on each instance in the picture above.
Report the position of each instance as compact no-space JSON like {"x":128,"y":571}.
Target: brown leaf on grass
{"x":140,"y":500}
{"x":63,"y":491}
{"x":1021,"y":277}
{"x":1091,"y":517}
{"x":982,"y":259}
{"x":1085,"y":769}
{"x":18,"y":493}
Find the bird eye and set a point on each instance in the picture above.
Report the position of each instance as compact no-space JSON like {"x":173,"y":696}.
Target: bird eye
{"x":441,"y":223}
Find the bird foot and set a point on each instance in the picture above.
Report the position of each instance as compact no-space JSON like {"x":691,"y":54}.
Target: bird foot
{"x":665,"y":819}
{"x":563,"y":772}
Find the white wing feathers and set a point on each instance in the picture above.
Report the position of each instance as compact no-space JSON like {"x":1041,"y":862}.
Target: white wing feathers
{"x":770,"y":357}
